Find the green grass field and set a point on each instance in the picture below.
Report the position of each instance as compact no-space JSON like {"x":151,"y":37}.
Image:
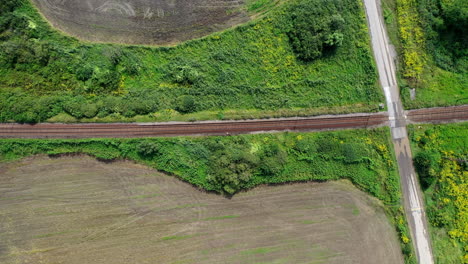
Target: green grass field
{"x":441,"y":161}
{"x":246,"y":72}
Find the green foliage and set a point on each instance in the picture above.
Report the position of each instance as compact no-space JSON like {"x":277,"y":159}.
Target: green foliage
{"x":187,"y":104}
{"x":183,"y":71}
{"x":434,"y":51}
{"x":441,"y":157}
{"x":425,"y":164}
{"x":230,"y":164}
{"x":315,"y":27}
{"x":445,"y":24}
{"x":259,"y":5}
{"x":147,"y":148}
{"x":9,"y":5}
{"x":354,"y":152}
{"x":249,"y":69}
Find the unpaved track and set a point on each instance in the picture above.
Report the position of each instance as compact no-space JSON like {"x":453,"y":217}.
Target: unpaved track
{"x":78,"y":210}
{"x":116,"y":130}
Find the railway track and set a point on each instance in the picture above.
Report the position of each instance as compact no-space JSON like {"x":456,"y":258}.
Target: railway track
{"x":118,"y":130}
{"x":90,"y":130}
{"x":438,"y":114}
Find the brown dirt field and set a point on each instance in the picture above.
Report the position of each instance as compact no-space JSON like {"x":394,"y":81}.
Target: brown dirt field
{"x":78,"y":210}
{"x":159,"y":22}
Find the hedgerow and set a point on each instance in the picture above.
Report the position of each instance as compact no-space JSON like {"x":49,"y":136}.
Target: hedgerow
{"x":230,"y":164}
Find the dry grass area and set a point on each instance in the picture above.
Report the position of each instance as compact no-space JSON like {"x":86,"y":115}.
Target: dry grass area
{"x":142,"y":21}
{"x":78,"y":210}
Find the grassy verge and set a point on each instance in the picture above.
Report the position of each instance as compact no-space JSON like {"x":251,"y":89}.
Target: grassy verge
{"x":232,"y":114}
{"x":254,"y":67}
{"x":231,"y":164}
{"x":391,"y":23}
{"x":441,"y":161}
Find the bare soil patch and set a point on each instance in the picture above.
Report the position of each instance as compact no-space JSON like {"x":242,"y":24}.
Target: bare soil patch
{"x":79,"y":210}
{"x":141,"y":21}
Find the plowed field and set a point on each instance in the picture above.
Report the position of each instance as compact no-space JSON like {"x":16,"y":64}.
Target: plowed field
{"x":141,"y":21}
{"x":78,"y":210}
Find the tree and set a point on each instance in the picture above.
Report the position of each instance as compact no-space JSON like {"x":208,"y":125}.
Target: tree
{"x":315,"y":25}
{"x":425,"y":163}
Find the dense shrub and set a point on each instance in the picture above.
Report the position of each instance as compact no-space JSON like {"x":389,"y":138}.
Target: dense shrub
{"x":187,"y":104}
{"x":425,"y":164}
{"x":183,"y":71}
{"x":316,"y":26}
{"x":103,"y":80}
{"x":445,"y":24}
{"x":147,"y":148}
{"x":9,"y":5}
{"x":230,"y":164}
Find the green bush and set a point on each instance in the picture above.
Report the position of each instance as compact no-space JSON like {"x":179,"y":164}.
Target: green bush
{"x":354,"y":152}
{"x":315,"y":27}
{"x":183,"y":71}
{"x":103,"y":80}
{"x":425,"y":163}
{"x":187,"y":104}
{"x":148,"y":148}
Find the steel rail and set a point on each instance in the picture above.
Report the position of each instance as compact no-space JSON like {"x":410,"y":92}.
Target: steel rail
{"x":45,"y":130}
{"x":89,"y":130}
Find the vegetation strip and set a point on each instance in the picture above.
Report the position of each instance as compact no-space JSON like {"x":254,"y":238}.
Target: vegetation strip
{"x":441,"y":163}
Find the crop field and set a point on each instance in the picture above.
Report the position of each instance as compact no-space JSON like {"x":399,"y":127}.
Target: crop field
{"x":142,"y":21}
{"x":79,"y":210}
